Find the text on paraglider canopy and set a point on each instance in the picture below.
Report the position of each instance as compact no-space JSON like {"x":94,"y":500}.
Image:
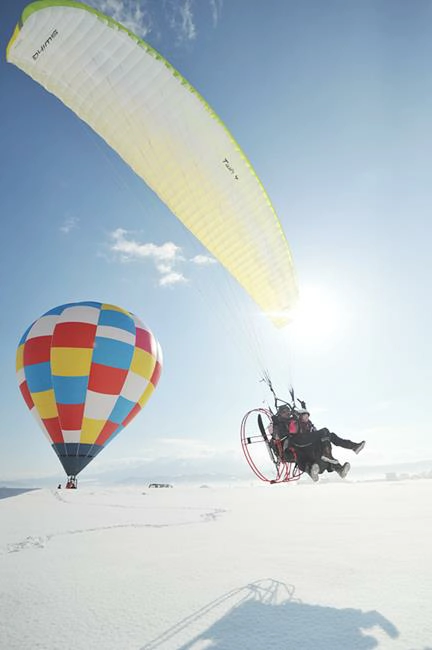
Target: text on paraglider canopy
{"x":43,"y":47}
{"x":231,"y":169}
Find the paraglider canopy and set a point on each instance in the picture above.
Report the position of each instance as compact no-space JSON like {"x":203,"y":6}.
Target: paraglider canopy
{"x":167,"y":133}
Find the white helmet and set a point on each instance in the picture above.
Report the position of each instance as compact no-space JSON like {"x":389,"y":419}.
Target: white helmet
{"x":302,"y":412}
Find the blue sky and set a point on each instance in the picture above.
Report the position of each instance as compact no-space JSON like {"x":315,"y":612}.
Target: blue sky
{"x":332,"y":104}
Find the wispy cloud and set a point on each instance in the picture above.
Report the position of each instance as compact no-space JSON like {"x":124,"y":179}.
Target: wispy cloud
{"x":136,"y":15}
{"x":144,"y":17}
{"x":131,"y":249}
{"x":164,"y":256}
{"x":203,"y":260}
{"x":169,"y":279}
{"x":180,"y":17}
{"x":69,"y":224}
{"x":216,"y":10}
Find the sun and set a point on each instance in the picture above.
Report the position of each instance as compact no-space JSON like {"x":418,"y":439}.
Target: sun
{"x":319,"y":318}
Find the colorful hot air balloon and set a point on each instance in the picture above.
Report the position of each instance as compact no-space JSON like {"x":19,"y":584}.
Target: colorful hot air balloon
{"x":85,"y":370}
{"x":167,"y":133}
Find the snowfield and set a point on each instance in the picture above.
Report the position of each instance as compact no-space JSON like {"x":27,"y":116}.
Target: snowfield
{"x":332,"y":566}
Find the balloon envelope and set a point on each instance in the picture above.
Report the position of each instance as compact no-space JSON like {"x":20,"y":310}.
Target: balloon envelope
{"x":167,"y":133}
{"x":85,"y":370}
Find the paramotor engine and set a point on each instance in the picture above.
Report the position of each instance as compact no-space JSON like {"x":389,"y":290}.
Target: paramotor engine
{"x":265,"y":453}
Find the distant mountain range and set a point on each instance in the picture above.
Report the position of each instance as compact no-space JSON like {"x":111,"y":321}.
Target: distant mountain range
{"x":197,"y":473}
{"x":6,"y":492}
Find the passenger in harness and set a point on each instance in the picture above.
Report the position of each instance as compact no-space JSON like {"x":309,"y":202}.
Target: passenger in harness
{"x":298,"y":440}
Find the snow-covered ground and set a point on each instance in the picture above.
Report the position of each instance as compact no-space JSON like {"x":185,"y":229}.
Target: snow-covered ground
{"x":329,"y":566}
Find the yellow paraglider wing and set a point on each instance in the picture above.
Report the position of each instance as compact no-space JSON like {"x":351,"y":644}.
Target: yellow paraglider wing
{"x":160,"y":125}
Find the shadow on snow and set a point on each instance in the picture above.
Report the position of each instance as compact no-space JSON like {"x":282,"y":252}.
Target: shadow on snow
{"x":265,"y":614}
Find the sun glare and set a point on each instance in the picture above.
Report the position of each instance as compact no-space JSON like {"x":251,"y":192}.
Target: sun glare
{"x":319,"y":317}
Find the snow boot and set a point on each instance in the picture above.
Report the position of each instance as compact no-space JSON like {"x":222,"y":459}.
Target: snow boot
{"x":357,"y":449}
{"x":343,"y":470}
{"x":327,"y":455}
{"x":314,"y":472}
